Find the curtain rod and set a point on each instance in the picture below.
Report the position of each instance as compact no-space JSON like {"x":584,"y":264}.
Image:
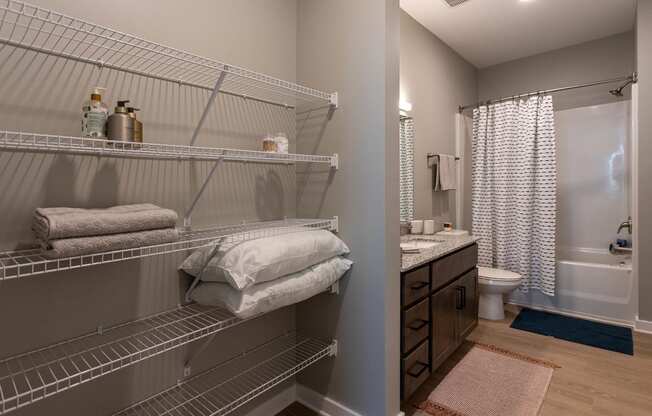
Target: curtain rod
{"x":630,"y":78}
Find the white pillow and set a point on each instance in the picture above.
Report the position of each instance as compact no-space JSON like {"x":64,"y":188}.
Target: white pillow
{"x":266,"y":297}
{"x":264,"y":259}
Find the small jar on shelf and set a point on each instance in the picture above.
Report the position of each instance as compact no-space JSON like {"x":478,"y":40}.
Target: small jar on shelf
{"x":269,"y":144}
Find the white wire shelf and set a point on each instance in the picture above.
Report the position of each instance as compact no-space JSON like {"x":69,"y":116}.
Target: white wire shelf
{"x":213,"y":394}
{"x":45,"y":31}
{"x":45,"y":143}
{"x":23,"y":263}
{"x":33,"y":376}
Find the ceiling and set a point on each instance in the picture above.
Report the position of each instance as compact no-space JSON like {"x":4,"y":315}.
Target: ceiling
{"x":489,"y":32}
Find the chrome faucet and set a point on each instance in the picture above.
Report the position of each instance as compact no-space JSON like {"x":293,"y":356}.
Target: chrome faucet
{"x":626,"y":224}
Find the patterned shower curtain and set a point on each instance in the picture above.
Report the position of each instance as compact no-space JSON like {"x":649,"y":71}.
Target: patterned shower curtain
{"x":514,"y":181}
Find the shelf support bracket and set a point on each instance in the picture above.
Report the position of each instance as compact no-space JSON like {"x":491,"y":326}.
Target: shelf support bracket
{"x":335,"y":224}
{"x":333,"y":351}
{"x":187,"y":366}
{"x":335,"y":161}
{"x":209,"y":105}
{"x":187,"y":218}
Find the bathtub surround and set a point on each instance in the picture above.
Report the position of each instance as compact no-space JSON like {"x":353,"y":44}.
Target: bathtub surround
{"x":643,"y":224}
{"x":612,"y":295}
{"x":514,"y":189}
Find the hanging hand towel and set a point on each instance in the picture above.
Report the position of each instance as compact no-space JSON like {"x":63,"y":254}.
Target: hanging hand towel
{"x":447,"y":172}
{"x":444,"y":172}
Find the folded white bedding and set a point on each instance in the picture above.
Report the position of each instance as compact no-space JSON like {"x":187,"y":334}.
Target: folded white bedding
{"x":266,"y":297}
{"x":264,"y":259}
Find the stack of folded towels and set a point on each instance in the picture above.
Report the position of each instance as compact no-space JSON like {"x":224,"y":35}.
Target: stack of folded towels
{"x":70,"y":232}
{"x":258,"y":276}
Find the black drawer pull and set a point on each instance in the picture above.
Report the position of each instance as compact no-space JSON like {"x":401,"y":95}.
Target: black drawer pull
{"x":417,"y":324}
{"x":459,"y":302}
{"x":418,"y":285}
{"x":418,"y":373}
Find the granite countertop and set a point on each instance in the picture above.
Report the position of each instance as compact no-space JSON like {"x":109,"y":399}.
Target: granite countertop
{"x":449,"y":244}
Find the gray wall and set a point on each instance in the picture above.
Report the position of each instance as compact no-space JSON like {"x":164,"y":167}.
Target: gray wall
{"x":44,"y":94}
{"x":610,"y":57}
{"x":436,"y":80}
{"x":644,"y":225}
{"x":352,"y":47}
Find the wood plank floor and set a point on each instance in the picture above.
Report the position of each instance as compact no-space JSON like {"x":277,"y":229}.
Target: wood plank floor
{"x":297,"y":409}
{"x":591,"y":381}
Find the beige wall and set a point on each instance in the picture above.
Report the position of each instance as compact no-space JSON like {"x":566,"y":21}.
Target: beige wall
{"x":436,"y":80}
{"x":644,"y":225}
{"x":352,"y":47}
{"x":40,"y":94}
{"x":606,"y":58}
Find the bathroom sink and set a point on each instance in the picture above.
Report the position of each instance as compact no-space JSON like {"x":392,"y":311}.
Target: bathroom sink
{"x":418,"y":245}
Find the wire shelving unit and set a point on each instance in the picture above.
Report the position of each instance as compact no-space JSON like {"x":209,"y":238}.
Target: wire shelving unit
{"x":35,"y":375}
{"x":45,"y":31}
{"x":32,"y":142}
{"x":213,"y":394}
{"x":38,"y":374}
{"x":23,"y":263}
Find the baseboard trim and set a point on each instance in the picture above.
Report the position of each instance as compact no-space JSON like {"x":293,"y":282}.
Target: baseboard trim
{"x":574,"y":314}
{"x":643,"y":326}
{"x":277,"y":403}
{"x":323,"y":405}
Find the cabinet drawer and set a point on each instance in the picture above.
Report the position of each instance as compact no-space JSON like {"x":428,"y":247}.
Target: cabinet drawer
{"x":416,"y":370}
{"x":446,"y":269}
{"x":416,"y":326}
{"x":416,"y":285}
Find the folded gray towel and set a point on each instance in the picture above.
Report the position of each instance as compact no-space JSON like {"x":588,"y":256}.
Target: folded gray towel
{"x":59,"y":223}
{"x":71,"y":247}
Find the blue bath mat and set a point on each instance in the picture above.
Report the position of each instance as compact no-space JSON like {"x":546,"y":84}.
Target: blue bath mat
{"x":581,"y":331}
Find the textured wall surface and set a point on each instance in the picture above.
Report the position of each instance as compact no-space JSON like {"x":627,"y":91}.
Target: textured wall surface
{"x":45,"y":94}
{"x":606,"y":58}
{"x":436,"y":80}
{"x":352,"y":47}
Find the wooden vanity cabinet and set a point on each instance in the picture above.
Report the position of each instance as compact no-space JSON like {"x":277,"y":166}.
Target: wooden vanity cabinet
{"x":439,"y":309}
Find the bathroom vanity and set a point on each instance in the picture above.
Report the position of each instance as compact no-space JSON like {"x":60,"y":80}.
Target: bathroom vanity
{"x":439,"y":305}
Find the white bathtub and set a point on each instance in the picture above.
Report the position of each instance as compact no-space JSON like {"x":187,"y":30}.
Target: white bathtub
{"x":593,"y":284}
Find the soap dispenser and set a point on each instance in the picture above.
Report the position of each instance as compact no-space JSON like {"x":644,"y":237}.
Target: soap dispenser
{"x":120,"y":126}
{"x":94,"y":115}
{"x":138,"y":125}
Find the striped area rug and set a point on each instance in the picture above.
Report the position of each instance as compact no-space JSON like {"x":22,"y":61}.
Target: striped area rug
{"x":490,"y":381}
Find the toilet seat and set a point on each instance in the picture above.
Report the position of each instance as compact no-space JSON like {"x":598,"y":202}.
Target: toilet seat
{"x":497,"y":275}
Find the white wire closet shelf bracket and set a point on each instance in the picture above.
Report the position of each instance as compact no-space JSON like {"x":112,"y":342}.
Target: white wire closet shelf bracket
{"x":214,"y":394}
{"x":33,"y":376}
{"x":45,"y":143}
{"x":45,"y":31}
{"x":23,"y":263}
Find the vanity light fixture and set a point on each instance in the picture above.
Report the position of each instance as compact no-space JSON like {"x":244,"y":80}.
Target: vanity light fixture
{"x":405,"y":106}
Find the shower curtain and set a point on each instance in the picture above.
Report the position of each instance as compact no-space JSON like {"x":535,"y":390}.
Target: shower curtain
{"x":514,"y":181}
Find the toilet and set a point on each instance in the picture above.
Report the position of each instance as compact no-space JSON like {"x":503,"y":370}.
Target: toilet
{"x":494,"y":284}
